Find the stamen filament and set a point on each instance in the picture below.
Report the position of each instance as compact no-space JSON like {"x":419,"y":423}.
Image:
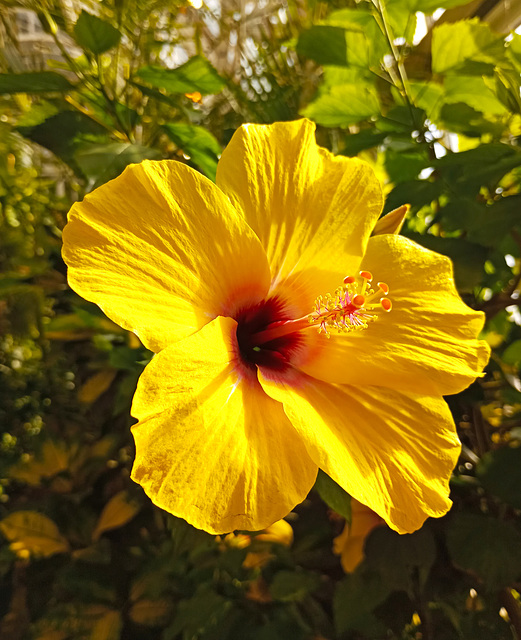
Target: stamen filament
{"x":354,"y":305}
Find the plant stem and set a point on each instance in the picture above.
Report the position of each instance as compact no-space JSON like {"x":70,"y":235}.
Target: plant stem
{"x":402,"y":74}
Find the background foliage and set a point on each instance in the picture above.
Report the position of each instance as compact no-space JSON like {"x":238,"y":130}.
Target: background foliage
{"x":84,"y":554}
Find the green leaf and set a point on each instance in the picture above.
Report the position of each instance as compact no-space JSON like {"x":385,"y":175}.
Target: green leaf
{"x":61,"y":133}
{"x":468,"y":171}
{"x":405,"y":163}
{"x":41,"y":82}
{"x":366,"y":139}
{"x":33,"y":532}
{"x":512,"y":355}
{"x":417,"y":193}
{"x":429,"y":6}
{"x":468,"y":46}
{"x":343,"y":105}
{"x":461,"y":118}
{"x":473,"y":91}
{"x":195,"y":75}
{"x":514,"y":50}
{"x":198,"y":143}
{"x":293,"y":586}
{"x":487,"y":547}
{"x":500,"y":471}
{"x":324,"y":45}
{"x":428,"y":96}
{"x":333,"y":495}
{"x":363,"y":52}
{"x":399,"y":558}
{"x":94,"y":34}
{"x":37,"y":114}
{"x":355,"y":599}
{"x":102,"y":162}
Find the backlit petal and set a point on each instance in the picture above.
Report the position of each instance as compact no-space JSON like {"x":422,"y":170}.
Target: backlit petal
{"x":213,"y":449}
{"x":426,"y":344}
{"x":312,"y":211}
{"x":392,"y":451}
{"x":161,"y":251}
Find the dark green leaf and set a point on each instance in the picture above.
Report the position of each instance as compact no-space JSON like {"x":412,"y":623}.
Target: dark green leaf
{"x":293,"y":586}
{"x":198,"y":143}
{"x":417,"y":193}
{"x":366,"y":139}
{"x":401,"y":560}
{"x":154,"y":93}
{"x":195,"y":75}
{"x":324,"y":44}
{"x":405,"y":164}
{"x":461,"y":118}
{"x":500,"y":470}
{"x":354,"y":601}
{"x":101,"y":163}
{"x":41,"y":82}
{"x":94,"y":34}
{"x":60,"y":133}
{"x":487,"y":547}
{"x":333,"y":495}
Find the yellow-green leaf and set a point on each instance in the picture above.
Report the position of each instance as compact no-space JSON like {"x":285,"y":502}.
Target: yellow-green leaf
{"x":96,"y":385}
{"x":117,"y":512}
{"x":150,"y":612}
{"x":31,"y":533}
{"x":108,"y":627}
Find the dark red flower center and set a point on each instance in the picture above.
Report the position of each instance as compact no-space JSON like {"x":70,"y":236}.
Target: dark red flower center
{"x":253,"y":349}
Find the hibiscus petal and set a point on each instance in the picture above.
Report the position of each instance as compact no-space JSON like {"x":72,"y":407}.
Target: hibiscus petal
{"x":426,"y":344}
{"x":161,"y":251}
{"x":312,"y":211}
{"x":212,"y":447}
{"x":392,"y":451}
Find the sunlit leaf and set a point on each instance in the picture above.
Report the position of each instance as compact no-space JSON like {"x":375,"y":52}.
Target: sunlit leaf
{"x":343,"y":105}
{"x":474,"y":91}
{"x":33,"y":533}
{"x":119,"y":510}
{"x":198,"y":143}
{"x":468,"y":46}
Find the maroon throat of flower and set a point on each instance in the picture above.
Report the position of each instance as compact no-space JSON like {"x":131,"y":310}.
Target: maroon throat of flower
{"x":268,"y":337}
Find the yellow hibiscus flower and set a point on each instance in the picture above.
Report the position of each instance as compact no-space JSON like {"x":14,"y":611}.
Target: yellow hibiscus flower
{"x":253,"y":388}
{"x":349,"y":545}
